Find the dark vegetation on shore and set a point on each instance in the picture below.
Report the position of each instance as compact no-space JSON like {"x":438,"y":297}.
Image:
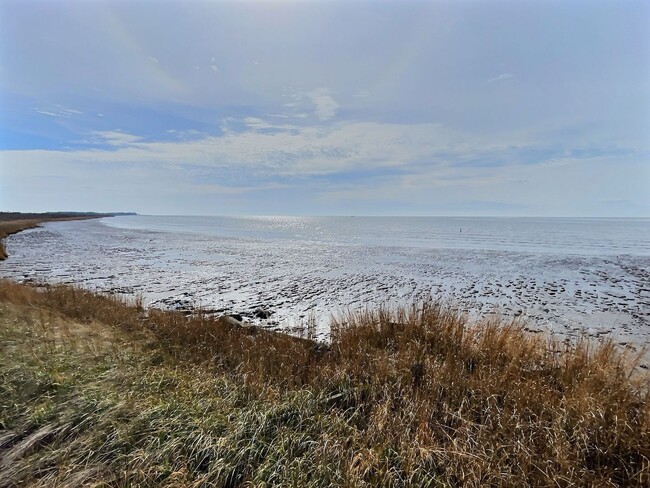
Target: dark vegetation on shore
{"x":94,"y":390}
{"x":13,"y":222}
{"x":47,"y":216}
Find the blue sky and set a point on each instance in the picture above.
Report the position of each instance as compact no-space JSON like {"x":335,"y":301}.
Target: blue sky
{"x":522,"y":108}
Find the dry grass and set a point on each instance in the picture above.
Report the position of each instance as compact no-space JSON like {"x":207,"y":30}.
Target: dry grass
{"x":94,"y":389}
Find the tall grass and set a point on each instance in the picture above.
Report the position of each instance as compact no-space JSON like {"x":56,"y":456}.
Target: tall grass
{"x":416,"y":396}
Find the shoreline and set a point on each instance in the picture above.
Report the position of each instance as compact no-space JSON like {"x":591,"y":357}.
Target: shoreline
{"x":281,"y":285}
{"x":14,"y":222}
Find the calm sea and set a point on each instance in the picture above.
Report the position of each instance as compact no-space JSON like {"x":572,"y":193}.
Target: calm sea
{"x":543,"y":235}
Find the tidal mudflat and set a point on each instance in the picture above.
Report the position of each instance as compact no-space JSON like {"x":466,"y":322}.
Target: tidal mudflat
{"x":567,"y":276}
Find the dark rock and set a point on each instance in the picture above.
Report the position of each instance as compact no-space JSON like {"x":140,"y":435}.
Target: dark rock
{"x":262,"y":314}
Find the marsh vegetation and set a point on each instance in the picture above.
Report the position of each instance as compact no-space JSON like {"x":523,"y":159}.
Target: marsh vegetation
{"x":96,"y":389}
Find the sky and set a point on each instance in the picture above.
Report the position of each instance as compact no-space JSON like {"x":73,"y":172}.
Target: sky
{"x":499,"y":108}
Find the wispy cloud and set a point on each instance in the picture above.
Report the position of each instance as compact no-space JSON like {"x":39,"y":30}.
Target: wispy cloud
{"x":116,"y":138}
{"x":501,"y":77}
{"x":354,"y":162}
{"x":55,"y":110}
{"x":325,"y":105}
{"x":255,"y":145}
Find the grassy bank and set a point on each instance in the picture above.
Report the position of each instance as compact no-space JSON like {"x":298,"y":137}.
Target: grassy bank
{"x":97,"y":391}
